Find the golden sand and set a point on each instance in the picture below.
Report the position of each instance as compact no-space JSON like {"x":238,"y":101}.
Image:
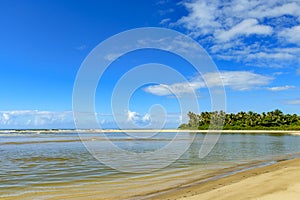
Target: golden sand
{"x":275,"y":182}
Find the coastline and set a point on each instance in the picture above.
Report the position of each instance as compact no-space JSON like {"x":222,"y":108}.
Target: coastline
{"x":275,"y":181}
{"x":290,"y":132}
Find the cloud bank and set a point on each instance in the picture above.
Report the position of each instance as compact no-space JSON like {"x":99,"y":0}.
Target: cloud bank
{"x":36,"y":119}
{"x":258,"y":33}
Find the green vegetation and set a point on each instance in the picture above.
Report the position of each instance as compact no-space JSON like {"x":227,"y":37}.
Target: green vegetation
{"x":274,"y":120}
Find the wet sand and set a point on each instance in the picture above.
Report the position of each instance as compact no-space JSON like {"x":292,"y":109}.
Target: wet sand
{"x":275,"y":182}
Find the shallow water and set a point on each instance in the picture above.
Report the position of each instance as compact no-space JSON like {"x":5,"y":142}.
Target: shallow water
{"x":32,"y":162}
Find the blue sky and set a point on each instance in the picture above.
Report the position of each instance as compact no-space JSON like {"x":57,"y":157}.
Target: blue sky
{"x":255,"y":45}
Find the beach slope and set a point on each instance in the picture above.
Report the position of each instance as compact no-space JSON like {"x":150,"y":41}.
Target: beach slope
{"x":274,"y":182}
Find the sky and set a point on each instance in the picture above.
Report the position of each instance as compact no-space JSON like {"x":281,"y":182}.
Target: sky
{"x":255,"y":45}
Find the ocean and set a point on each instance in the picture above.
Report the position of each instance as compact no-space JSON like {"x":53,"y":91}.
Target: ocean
{"x":58,"y":164}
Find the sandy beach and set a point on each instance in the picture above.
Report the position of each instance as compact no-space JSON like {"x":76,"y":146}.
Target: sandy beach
{"x":275,"y":182}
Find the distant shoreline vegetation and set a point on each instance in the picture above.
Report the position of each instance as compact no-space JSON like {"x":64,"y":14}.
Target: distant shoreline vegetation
{"x":274,"y":120}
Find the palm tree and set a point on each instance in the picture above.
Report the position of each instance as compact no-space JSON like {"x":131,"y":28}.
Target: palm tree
{"x":193,"y":120}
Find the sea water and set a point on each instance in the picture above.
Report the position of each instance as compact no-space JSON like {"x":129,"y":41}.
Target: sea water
{"x":52,"y":161}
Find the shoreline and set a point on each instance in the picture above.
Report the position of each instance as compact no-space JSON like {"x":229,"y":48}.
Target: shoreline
{"x":248,"y":183}
{"x":291,"y":132}
{"x":245,"y":181}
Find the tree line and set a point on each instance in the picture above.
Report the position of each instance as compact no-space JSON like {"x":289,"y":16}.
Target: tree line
{"x":273,"y":120}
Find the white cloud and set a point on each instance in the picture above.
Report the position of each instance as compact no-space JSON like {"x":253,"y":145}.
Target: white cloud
{"x":281,"y":88}
{"x":293,"y":102}
{"x":81,"y":48}
{"x":103,"y":121}
{"x":164,"y":21}
{"x":160,"y":90}
{"x":241,"y":29}
{"x":175,"y":89}
{"x":146,"y":117}
{"x":30,"y":119}
{"x":269,"y":9}
{"x":138,"y":118}
{"x":246,"y":27}
{"x":237,"y":80}
{"x":5,"y":117}
{"x":202,"y":17}
{"x":291,"y":34}
{"x":35,"y":118}
{"x":282,"y":56}
{"x":112,"y":56}
{"x":132,"y":116}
